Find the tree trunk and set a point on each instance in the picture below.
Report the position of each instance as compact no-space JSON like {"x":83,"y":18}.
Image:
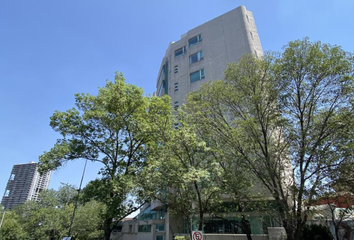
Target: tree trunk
{"x":289,"y":229}
{"x":299,"y":225}
{"x":189,"y":222}
{"x":201,"y":220}
{"x":107,"y":229}
{"x":336,"y":229}
{"x":246,"y":228}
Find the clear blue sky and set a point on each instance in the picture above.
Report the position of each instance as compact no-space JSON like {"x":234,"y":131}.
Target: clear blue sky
{"x":50,"y":50}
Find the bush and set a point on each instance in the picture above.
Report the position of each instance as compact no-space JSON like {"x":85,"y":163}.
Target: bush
{"x":316,"y":232}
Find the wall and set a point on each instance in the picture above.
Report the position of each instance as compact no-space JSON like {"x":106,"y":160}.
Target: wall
{"x":234,"y":237}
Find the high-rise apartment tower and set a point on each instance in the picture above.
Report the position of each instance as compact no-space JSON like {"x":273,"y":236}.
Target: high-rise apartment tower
{"x":202,"y":54}
{"x":25,"y":183}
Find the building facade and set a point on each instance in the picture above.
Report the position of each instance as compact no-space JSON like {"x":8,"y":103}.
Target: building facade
{"x":201,"y":55}
{"x":25,"y":183}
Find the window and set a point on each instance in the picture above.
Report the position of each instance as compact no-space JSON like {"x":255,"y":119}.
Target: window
{"x":144,"y":228}
{"x":159,"y":237}
{"x":197,"y":75}
{"x":180,"y":51}
{"x":12,"y":177}
{"x":196,"y":57}
{"x":195,"y":40}
{"x":162,"y":75}
{"x":176,"y":105}
{"x":160,"y":214}
{"x":161,"y":81}
{"x":176,"y":86}
{"x":7,"y":193}
{"x":176,"y":69}
{"x":176,"y":126}
{"x":160,"y":227}
{"x":148,"y":214}
{"x":161,"y":88}
{"x":117,"y":229}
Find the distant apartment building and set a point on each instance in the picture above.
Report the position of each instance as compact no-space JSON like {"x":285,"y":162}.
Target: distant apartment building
{"x":25,"y":183}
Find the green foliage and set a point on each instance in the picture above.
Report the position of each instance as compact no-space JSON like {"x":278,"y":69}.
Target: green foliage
{"x":185,"y":170}
{"x":115,"y":128}
{"x":89,"y":220}
{"x":48,"y":218}
{"x":240,"y":115}
{"x":11,"y":228}
{"x":286,"y":118}
{"x":182,"y":237}
{"x":316,"y":232}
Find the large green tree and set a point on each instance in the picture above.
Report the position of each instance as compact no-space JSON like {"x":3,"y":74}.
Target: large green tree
{"x":315,"y":98}
{"x":285,"y":117}
{"x":187,"y":171}
{"x":114,"y":128}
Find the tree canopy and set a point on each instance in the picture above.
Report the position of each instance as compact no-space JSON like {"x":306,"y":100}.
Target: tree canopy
{"x":114,"y":128}
{"x":277,"y":127}
{"x":286,"y":117}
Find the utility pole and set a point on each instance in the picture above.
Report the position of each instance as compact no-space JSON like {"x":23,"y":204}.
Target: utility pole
{"x":2,"y":218}
{"x":77,"y":199}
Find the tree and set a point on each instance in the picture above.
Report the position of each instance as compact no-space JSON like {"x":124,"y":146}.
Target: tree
{"x":342,"y":176}
{"x":89,"y":220}
{"x":113,"y":128}
{"x":187,"y":173}
{"x":232,"y":111}
{"x":189,"y":169}
{"x":284,"y":116}
{"x":11,"y":228}
{"x":315,"y":99}
{"x":49,"y":218}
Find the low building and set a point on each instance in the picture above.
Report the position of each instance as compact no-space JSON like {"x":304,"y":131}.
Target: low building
{"x":333,"y":211}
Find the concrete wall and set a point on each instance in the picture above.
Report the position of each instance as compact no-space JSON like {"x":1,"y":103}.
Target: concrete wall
{"x":274,"y":233}
{"x":224,"y":40}
{"x":234,"y":237}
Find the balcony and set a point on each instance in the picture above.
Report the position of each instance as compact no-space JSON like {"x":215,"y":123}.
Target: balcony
{"x":156,"y":205}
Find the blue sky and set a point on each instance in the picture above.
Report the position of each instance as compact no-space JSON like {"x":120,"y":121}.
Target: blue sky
{"x":50,"y":50}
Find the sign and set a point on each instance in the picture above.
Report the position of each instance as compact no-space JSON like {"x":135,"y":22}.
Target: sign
{"x":197,"y":235}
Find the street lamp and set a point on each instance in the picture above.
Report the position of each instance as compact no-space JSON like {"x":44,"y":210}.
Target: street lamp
{"x":76,"y":201}
{"x":2,"y":218}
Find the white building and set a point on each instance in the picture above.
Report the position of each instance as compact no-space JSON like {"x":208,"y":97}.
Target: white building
{"x":201,"y":55}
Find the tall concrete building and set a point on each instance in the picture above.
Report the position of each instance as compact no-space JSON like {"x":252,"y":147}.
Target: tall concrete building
{"x":25,"y":183}
{"x":202,"y":54}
